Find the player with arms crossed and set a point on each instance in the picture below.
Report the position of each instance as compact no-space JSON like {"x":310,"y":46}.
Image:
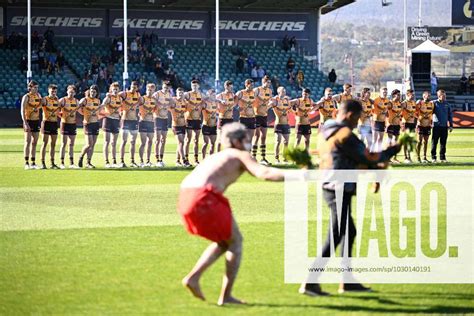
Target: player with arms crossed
{"x":225,"y":108}
{"x":178,"y":115}
{"x":327,"y":107}
{"x":129,"y":122}
{"x":193,"y":119}
{"x":379,"y":115}
{"x":263,"y":94}
{"x":163,"y":102}
{"x":206,"y":212}
{"x":245,"y":99}
{"x":302,"y":107}
{"x":394,"y":120}
{"x":69,"y":106}
{"x":209,"y":126}
{"x":424,"y":113}
{"x":30,"y":106}
{"x":281,"y":107}
{"x":49,"y":125}
{"x":146,"y":128}
{"x":365,"y":121}
{"x":409,"y":120}
{"x":112,"y":104}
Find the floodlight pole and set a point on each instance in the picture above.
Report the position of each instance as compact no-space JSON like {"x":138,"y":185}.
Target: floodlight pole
{"x":125,"y":45}
{"x":419,"y":13}
{"x":217,"y":45}
{"x":29,"y":74}
{"x":405,"y":42}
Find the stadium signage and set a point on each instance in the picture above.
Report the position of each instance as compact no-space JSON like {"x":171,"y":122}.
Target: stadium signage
{"x":80,"y":22}
{"x":416,"y":229}
{"x":462,"y":12}
{"x":278,"y":26}
{"x":160,"y":24}
{"x":456,"y":39}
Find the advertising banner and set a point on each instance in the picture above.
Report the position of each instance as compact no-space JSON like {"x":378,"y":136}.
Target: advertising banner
{"x":77,"y":22}
{"x":462,"y":12}
{"x":456,"y":39}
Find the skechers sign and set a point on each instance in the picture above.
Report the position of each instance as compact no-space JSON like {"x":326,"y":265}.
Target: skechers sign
{"x":81,"y":22}
{"x":166,"y":24}
{"x":163,"y":23}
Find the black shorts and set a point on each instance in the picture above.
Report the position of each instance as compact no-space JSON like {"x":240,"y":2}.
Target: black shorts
{"x":410,"y":126}
{"x":261,"y":121}
{"x":393,"y":129}
{"x":49,"y":128}
{"x":248,"y":122}
{"x":110,"y":125}
{"x":303,"y":129}
{"x":282,"y":129}
{"x":161,"y":124}
{"x":179,"y":130}
{"x":68,"y":129}
{"x":92,"y":128}
{"x":146,"y":127}
{"x":379,"y":126}
{"x":424,"y":130}
{"x":34,"y":126}
{"x":209,"y":130}
{"x":224,"y":121}
{"x":129,"y":125}
{"x":193,"y":124}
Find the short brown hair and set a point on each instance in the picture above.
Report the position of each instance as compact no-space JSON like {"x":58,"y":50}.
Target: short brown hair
{"x":71,"y":86}
{"x":410,"y":91}
{"x":52,"y":86}
{"x":195,"y":81}
{"x":347,"y":85}
{"x":248,"y":81}
{"x":228,"y":83}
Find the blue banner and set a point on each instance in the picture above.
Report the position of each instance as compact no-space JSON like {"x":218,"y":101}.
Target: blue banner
{"x":462,"y":12}
{"x":78,"y":22}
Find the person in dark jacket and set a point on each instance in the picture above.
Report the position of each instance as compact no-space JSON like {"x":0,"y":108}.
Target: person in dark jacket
{"x":339,"y":148}
{"x":442,"y":123}
{"x":332,"y":77}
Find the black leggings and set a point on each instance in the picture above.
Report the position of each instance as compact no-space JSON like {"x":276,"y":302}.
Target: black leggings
{"x":339,"y":231}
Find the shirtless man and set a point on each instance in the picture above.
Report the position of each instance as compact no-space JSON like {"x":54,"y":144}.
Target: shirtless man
{"x":302,"y":107}
{"x":206,"y":212}
{"x":263,"y":94}
{"x":193,"y":119}
{"x":225,"y":108}
{"x":69,"y":106}
{"x":30,"y":113}
{"x":178,"y":110}
{"x":281,"y":107}
{"x":209,"y":126}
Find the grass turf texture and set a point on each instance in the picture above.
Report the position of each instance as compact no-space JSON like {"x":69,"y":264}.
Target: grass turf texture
{"x":110,"y":241}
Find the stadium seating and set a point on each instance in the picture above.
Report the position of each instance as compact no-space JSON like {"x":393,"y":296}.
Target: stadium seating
{"x":189,"y":60}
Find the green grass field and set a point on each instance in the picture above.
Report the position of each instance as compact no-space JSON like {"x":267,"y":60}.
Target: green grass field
{"x":110,"y":241}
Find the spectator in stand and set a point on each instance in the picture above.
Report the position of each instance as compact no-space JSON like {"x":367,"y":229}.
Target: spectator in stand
{"x":300,"y":79}
{"x":52,"y":63}
{"x":134,"y":51}
{"x":293,"y":43}
{"x":35,"y":40}
{"x":35,"y":66}
{"x":49,"y":38}
{"x":240,"y":64}
{"x":290,"y":77}
{"x":286,"y":43}
{"x":332,"y":77}
{"x":23,"y":63}
{"x":159,"y":71}
{"x":111,"y":69}
{"x":170,"y":54}
{"x":254,"y":73}
{"x":149,"y":62}
{"x":463,"y":84}
{"x":471,"y":83}
{"x":250,"y":63}
{"x":260,"y":72}
{"x":275,"y":84}
{"x":434,"y":83}
{"x":290,"y":64}
{"x":43,"y":65}
{"x":60,"y":61}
